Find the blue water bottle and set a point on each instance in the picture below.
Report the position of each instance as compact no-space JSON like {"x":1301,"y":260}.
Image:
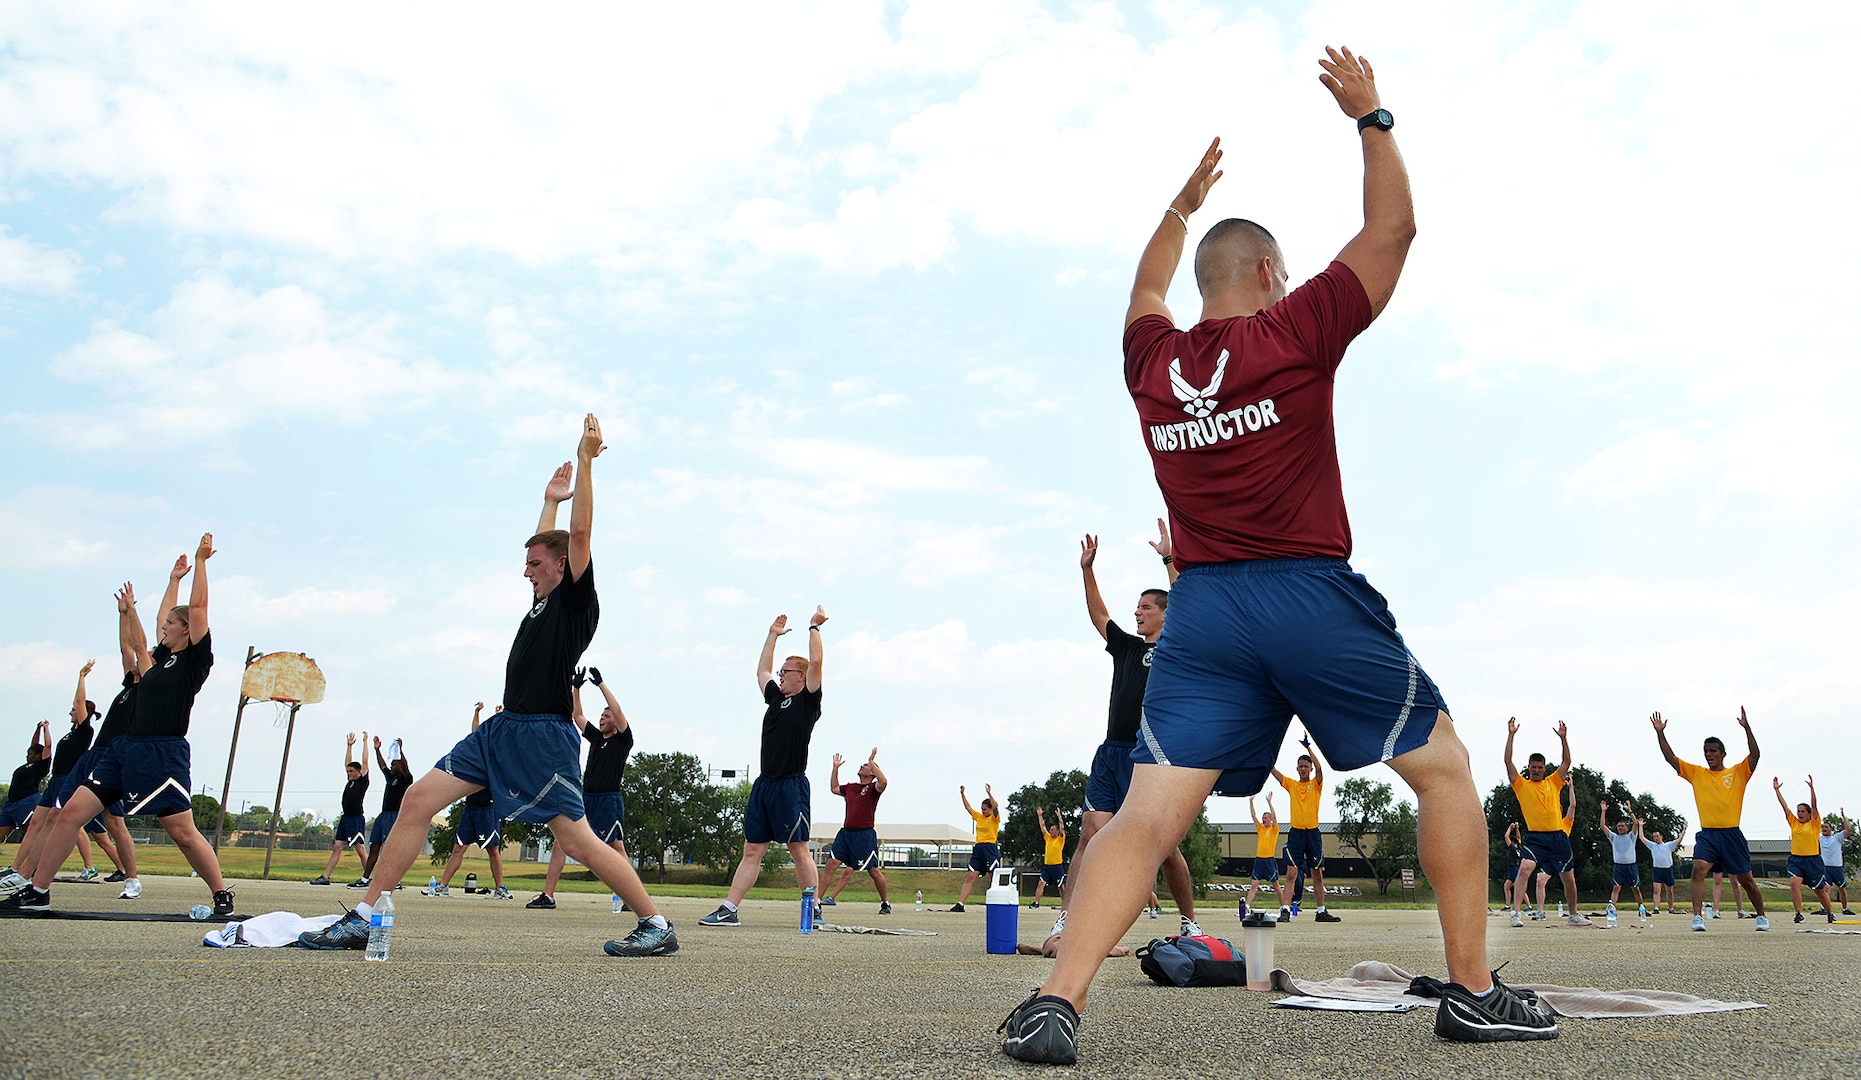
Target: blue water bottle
{"x":807,"y":911}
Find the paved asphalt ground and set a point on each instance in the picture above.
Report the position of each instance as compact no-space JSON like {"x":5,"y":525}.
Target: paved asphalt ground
{"x":479,"y":987}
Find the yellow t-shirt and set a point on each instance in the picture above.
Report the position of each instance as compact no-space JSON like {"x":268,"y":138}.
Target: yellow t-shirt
{"x":1056,"y":849}
{"x":1304,"y":795}
{"x":1720,"y":796}
{"x":986,"y":827}
{"x":1268,"y":844}
{"x":1806,"y":836}
{"x":1539,"y":802}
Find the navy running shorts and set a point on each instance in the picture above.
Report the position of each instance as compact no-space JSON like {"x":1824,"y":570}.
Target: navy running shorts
{"x":151,"y":774}
{"x":1110,"y":779}
{"x":1810,"y":868}
{"x":1264,"y":869}
{"x":984,"y":858}
{"x":607,"y":815}
{"x":531,"y":763}
{"x":1550,"y":850}
{"x":779,"y":810}
{"x":16,"y":814}
{"x":1053,"y":874}
{"x":1625,"y":874}
{"x":1663,"y":875}
{"x":857,"y":848}
{"x":351,"y":829}
{"x":1837,"y":876}
{"x":1305,"y":849}
{"x":1725,"y":849}
{"x":384,"y":824}
{"x":1248,"y":644}
{"x":480,"y":825}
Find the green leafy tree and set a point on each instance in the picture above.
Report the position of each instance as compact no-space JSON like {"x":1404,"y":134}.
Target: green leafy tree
{"x":1064,"y":793}
{"x":671,"y":803}
{"x":445,"y":836}
{"x":206,"y":813}
{"x":1367,"y":808}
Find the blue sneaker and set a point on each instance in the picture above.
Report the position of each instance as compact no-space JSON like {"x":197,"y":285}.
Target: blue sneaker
{"x":646,"y":940}
{"x":828,"y":901}
{"x":348,"y":932}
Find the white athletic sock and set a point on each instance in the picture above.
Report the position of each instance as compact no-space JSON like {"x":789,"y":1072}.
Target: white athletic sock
{"x":658,"y":921}
{"x":1321,"y":907}
{"x":364,"y":910}
{"x":730,"y":905}
{"x":1488,"y":992}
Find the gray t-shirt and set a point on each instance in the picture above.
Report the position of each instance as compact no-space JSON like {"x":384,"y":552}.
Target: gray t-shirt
{"x":1622,"y":847}
{"x":1662,"y":853}
{"x":1831,"y":849}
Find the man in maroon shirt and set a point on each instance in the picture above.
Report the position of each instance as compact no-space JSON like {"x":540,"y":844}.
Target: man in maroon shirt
{"x":1267,"y":618}
{"x":856,"y":845}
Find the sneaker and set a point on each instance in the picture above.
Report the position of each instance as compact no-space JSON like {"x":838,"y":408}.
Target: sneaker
{"x":1831,"y":915}
{"x":1848,"y":911}
{"x":723,"y":916}
{"x":956,"y":907}
{"x":543,"y":901}
{"x":348,"y":932}
{"x":885,"y":908}
{"x":320,"y":879}
{"x":222,"y":903}
{"x":1742,"y":915}
{"x":1517,"y":919}
{"x":1156,"y":911}
{"x":28,"y":899}
{"x":1285,"y":914}
{"x":1504,"y":1015}
{"x":1326,"y":916}
{"x":1059,"y":924}
{"x":1699,"y":923}
{"x":358,"y":883}
{"x":12,"y":883}
{"x":1764,"y":922}
{"x":1799,"y":916}
{"x":1190,"y":928}
{"x":501,"y":893}
{"x":1577,"y":919}
{"x":132,"y":889}
{"x":437,"y":890}
{"x":116,"y":877}
{"x":646,"y":940}
{"x":828,"y":901}
{"x":1041,"y":1030}
{"x":817,"y":912}
{"x":89,"y":873}
{"x":1033,"y":904}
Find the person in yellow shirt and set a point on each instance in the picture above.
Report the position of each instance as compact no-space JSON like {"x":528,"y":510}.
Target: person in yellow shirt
{"x":1266,"y":862}
{"x":1053,"y":865}
{"x":1305,"y":845}
{"x":1805,"y":849}
{"x":1547,"y":840}
{"x":985,"y":856}
{"x":1719,"y":793}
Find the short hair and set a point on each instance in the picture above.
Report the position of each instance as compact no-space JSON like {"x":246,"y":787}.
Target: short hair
{"x":1234,"y":244}
{"x":1161,"y":596}
{"x":1714,"y":740}
{"x":1538,"y":758}
{"x":1307,"y":758}
{"x":801,"y":662}
{"x":556,"y":540}
{"x":356,"y":765}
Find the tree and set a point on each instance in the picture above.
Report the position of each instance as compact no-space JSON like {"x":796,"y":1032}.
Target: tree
{"x":1367,"y":807}
{"x":1063,"y":794}
{"x":206,"y":813}
{"x":444,"y":837}
{"x":671,"y":803}
{"x":1594,"y":857}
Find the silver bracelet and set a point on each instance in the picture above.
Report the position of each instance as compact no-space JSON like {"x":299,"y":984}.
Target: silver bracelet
{"x":1179,"y":217}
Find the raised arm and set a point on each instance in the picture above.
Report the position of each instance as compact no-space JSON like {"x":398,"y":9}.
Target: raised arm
{"x":476,"y":710}
{"x":963,"y":794}
{"x":1318,"y":763}
{"x":1751,"y":740}
{"x":576,"y":716}
{"x":1095,"y":604}
{"x":1379,"y":250}
{"x":833,"y":778}
{"x":879,"y":782}
{"x":125,"y":633}
{"x":1512,"y":733}
{"x":1157,"y":266}
{"x":1789,"y":815}
{"x":620,"y":718}
{"x":1251,"y":813}
{"x":560,"y":489}
{"x":1161,"y":545}
{"x":765,"y":663}
{"x":814,"y":648}
{"x":1040,"y":819}
{"x":581,"y":514}
{"x":77,"y":703}
{"x":1660,"y":734}
{"x":1815,"y":810}
{"x":382,"y":761}
{"x":348,"y":752}
{"x":1603,"y":819}
{"x":197,"y":595}
{"x":170,"y":597}
{"x":1563,"y":738}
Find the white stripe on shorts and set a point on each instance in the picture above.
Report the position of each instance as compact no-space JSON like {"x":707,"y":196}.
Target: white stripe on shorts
{"x":171,"y":782}
{"x":1156,"y":749}
{"x":554,"y":779}
{"x":1402,"y":718}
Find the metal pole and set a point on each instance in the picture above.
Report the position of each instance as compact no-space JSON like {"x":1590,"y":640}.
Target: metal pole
{"x":226,"y":790}
{"x":277,"y":803}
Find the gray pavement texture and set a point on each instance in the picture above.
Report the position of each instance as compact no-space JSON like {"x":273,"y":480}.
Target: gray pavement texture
{"x":481,"y":987}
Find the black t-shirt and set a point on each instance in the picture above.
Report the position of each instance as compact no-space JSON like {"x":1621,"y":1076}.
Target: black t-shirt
{"x":27,"y":778}
{"x":70,"y":748}
{"x":607,"y":758}
{"x":352,"y":793}
{"x":165,"y":698}
{"x":551,"y":638}
{"x":116,"y":718}
{"x":1130,"y":673}
{"x":787,"y":725}
{"x":396,"y":788}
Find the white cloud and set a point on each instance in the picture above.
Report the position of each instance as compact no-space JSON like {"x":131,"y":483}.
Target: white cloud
{"x":42,"y":666}
{"x":29,"y":267}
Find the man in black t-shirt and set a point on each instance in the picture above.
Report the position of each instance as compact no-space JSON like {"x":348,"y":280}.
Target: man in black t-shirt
{"x":22,"y":796}
{"x":780,"y":800}
{"x":352,"y":826}
{"x":527,"y":756}
{"x":610,"y":743}
{"x":1110,"y":778}
{"x":397,"y":778}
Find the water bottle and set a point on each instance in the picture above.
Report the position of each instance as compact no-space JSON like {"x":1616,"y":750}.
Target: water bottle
{"x":380,"y":925}
{"x":920,"y":900}
{"x":1560,"y":909}
{"x":617,"y":904}
{"x":200,"y":913}
{"x":1609,"y":920}
{"x":432,"y":885}
{"x":1257,"y":947}
{"x":807,"y":911}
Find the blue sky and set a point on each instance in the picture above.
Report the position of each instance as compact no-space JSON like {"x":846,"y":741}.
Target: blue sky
{"x":844,"y":282}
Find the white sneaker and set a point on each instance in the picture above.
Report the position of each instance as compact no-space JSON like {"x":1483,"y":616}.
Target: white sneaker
{"x":132,"y":888}
{"x":1059,"y":924}
{"x":1517,"y":919}
{"x":12,"y":883}
{"x":1190,"y":927}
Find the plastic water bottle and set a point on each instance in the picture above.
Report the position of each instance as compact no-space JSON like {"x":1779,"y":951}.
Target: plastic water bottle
{"x":200,"y":912}
{"x":432,"y":885}
{"x":617,"y":904}
{"x":380,"y":925}
{"x":920,"y":900}
{"x":807,"y":911}
{"x":1560,"y":909}
{"x":1610,"y":919}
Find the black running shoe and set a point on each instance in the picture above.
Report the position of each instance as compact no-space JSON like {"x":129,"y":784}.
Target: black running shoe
{"x":1505,"y":1015}
{"x":320,"y":879}
{"x":1041,"y":1030}
{"x":28,"y":899}
{"x":885,"y":908}
{"x":222,"y":903}
{"x":118,"y":876}
{"x":348,"y":932}
{"x":1325,"y":916}
{"x":543,"y":900}
{"x":1799,"y":916}
{"x":956,"y":907}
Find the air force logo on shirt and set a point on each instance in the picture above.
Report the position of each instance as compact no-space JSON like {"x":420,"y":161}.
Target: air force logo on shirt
{"x":1197,"y":403}
{"x":168,"y":663}
{"x":1208,"y":427}
{"x":1148,"y":653}
{"x":540,"y":605}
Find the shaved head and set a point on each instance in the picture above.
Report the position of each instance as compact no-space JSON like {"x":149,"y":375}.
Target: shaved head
{"x":1230,"y":251}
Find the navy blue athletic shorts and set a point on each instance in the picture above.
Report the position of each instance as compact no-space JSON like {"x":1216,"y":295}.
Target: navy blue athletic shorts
{"x":1663,"y":875}
{"x":1550,"y":850}
{"x":75,"y":779}
{"x":857,"y":848}
{"x":1248,"y":644}
{"x":984,"y":858}
{"x":480,"y":825}
{"x":1810,"y":868}
{"x":1837,"y":876}
{"x":1110,"y":779}
{"x":151,"y":774}
{"x":1053,"y":874}
{"x":351,"y":829}
{"x":1625,"y":873}
{"x":1305,"y":849}
{"x":55,"y":787}
{"x":1264,"y":869}
{"x":529,"y":762}
{"x":779,"y":810}
{"x":1725,"y":849}
{"x":384,"y":824}
{"x":607,"y":815}
{"x":16,"y":814}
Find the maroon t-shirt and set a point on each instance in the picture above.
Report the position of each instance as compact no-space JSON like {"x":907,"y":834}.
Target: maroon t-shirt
{"x":862,"y":802}
{"x":1237,"y":414}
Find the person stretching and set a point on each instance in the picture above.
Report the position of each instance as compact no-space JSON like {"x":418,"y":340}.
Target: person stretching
{"x":352,"y":826}
{"x":1661,"y":854}
{"x":1053,"y":856}
{"x":1622,"y":855}
{"x":986,"y":855}
{"x":1805,"y":863}
{"x":1719,"y":795}
{"x":1266,"y":861}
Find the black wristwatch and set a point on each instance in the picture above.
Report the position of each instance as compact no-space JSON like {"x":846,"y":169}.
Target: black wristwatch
{"x":1381,"y":119}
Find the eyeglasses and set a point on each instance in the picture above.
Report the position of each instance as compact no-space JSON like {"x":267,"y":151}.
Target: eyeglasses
{"x":790,"y":671}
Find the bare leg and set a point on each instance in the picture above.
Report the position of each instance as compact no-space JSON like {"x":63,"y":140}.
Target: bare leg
{"x":1699,"y":888}
{"x":329,"y":868}
{"x":374,"y":854}
{"x":1569,"y":878}
{"x":44,"y":822}
{"x":608,"y":864}
{"x":834,"y":864}
{"x":102,"y":840}
{"x":878,"y":879}
{"x":1451,"y":838}
{"x":1090,"y":823}
{"x":747,"y":872}
{"x":496,"y":855}
{"x":558,"y":858}
{"x":1182,"y":884}
{"x":453,"y":862}
{"x":968,"y":884}
{"x":1751,"y":889}
{"x":84,"y":850}
{"x":361,"y":856}
{"x":1544,"y":880}
{"x":199,"y":853}
{"x":807,"y":875}
{"x":54,"y":841}
{"x":1318,"y":886}
{"x":125,"y":844}
{"x":1796,"y":893}
{"x":1521,"y":889}
{"x":428,"y":796}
